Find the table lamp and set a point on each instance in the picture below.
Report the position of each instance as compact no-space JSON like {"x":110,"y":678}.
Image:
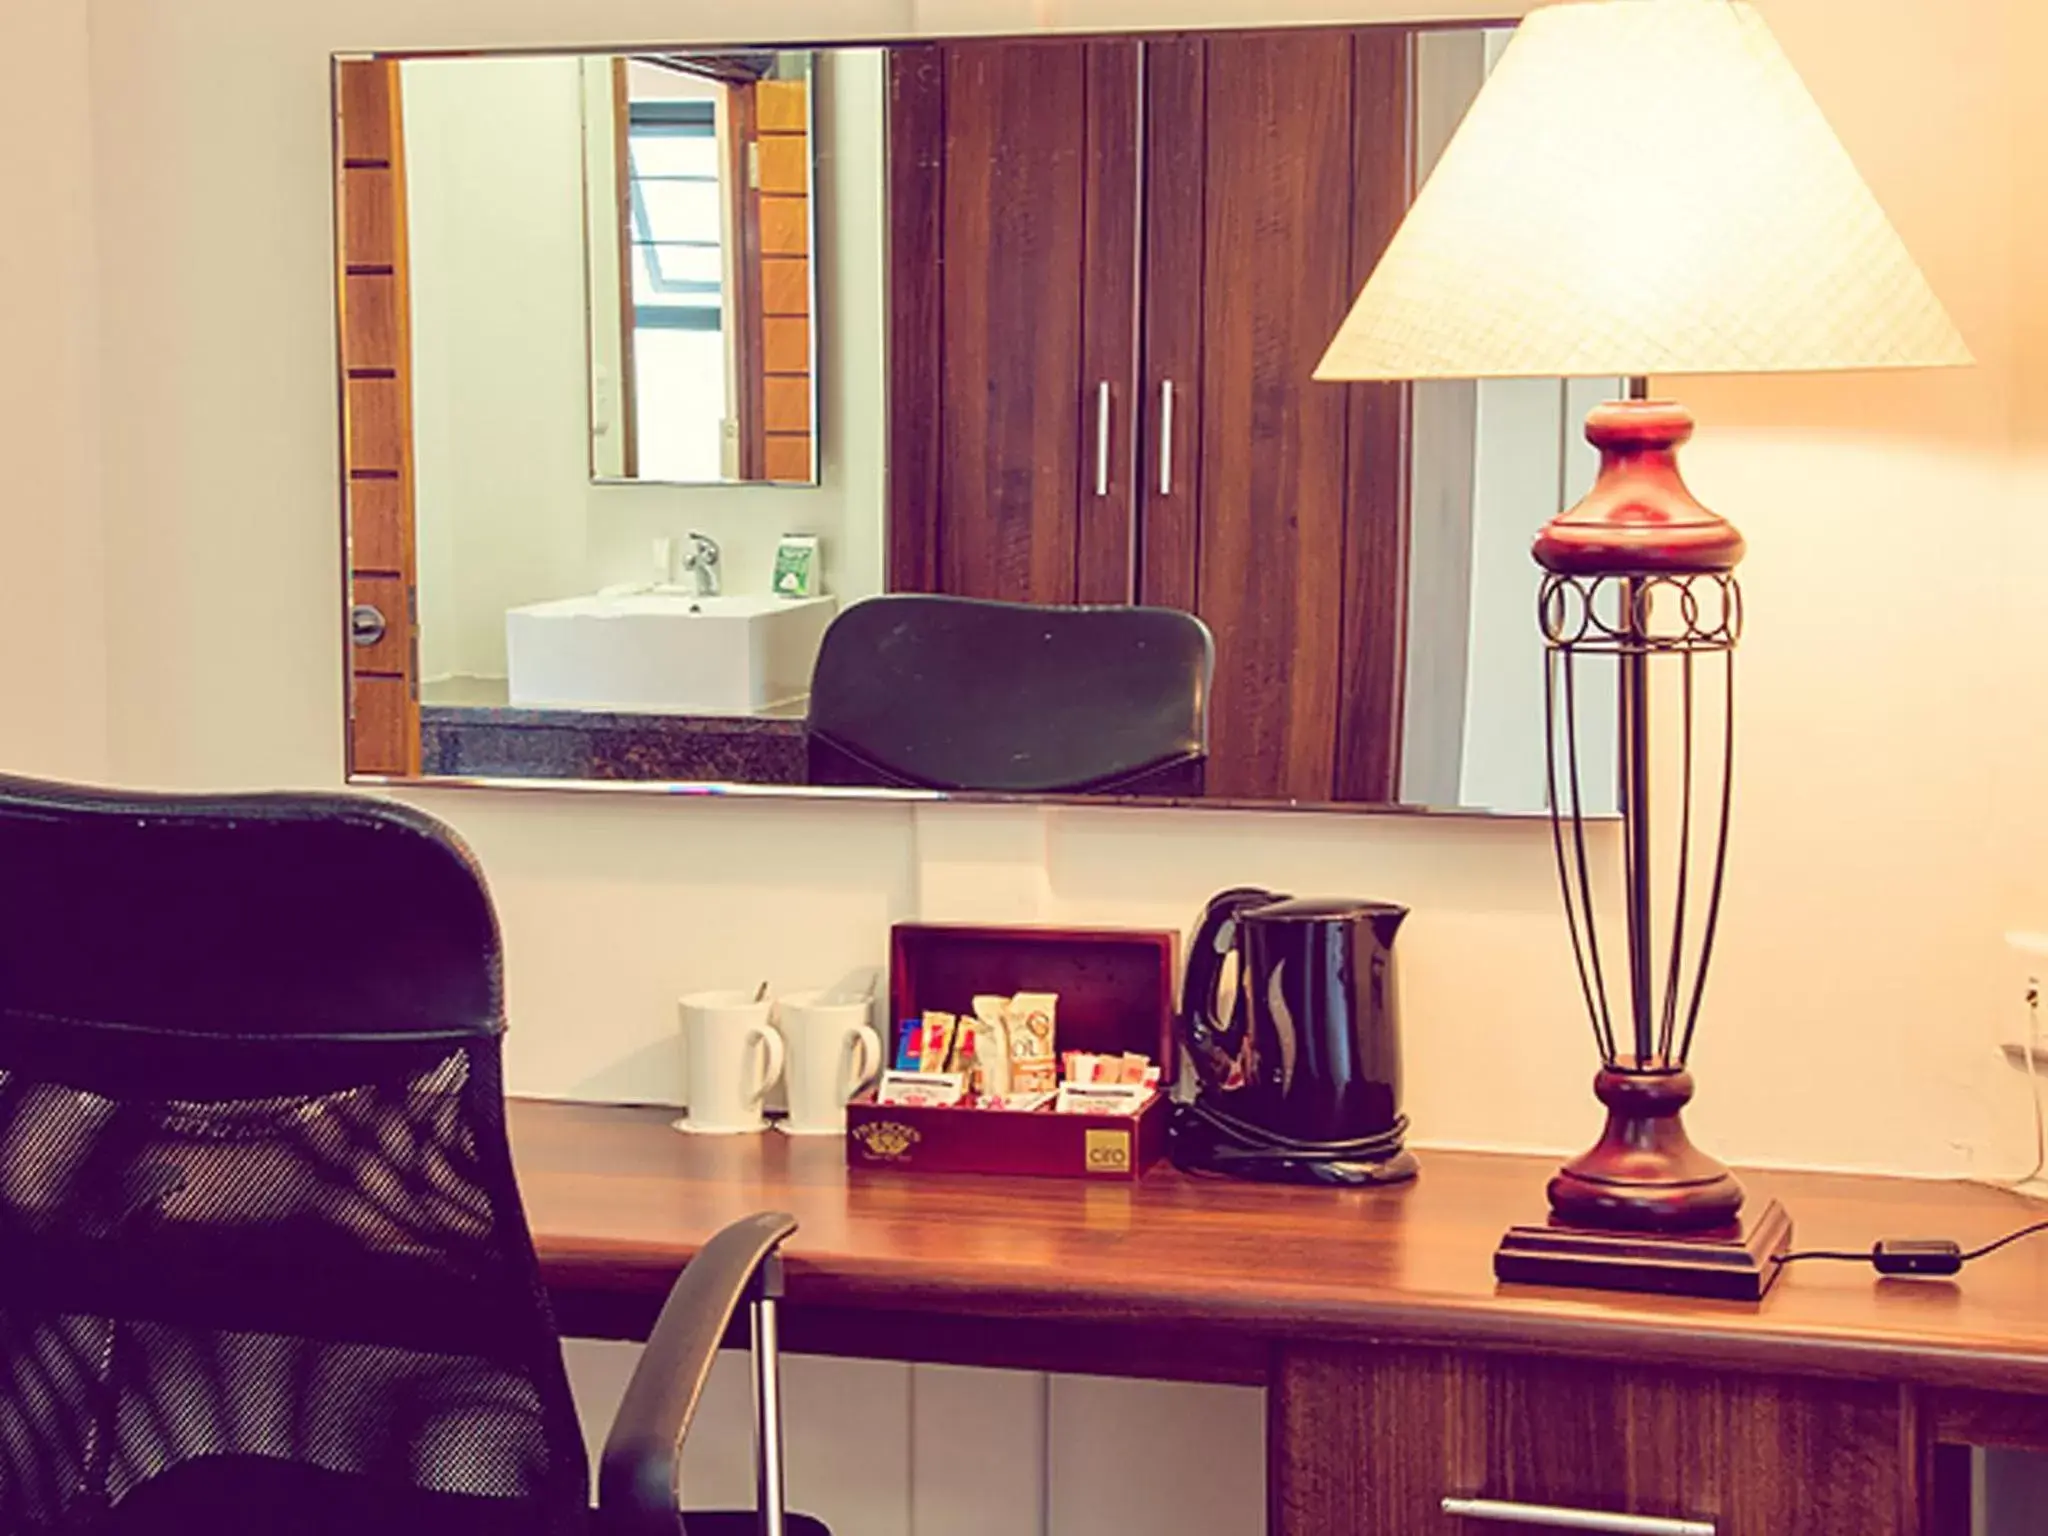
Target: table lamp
{"x":1643,"y":187}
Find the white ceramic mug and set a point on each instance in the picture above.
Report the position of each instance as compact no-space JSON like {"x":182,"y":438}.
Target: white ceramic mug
{"x":834,"y":1052}
{"x":733,"y":1057}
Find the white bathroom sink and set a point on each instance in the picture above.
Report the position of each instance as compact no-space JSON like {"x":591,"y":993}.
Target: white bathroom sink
{"x":662,"y":651}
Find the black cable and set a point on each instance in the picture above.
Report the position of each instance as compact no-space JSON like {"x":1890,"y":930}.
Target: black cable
{"x":1915,"y":1255}
{"x":1255,"y":1141}
{"x":1943,"y":1256}
{"x":2009,"y":1238}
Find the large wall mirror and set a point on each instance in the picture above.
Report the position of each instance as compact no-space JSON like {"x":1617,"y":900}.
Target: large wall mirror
{"x":930,"y":417}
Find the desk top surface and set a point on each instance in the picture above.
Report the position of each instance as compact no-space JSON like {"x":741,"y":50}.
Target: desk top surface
{"x":619,"y":1202}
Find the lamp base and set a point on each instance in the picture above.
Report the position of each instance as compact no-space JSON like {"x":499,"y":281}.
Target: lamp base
{"x":1739,"y":1262}
{"x":1645,"y":1175}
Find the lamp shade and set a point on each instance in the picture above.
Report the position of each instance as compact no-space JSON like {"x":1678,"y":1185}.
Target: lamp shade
{"x":1643,"y":186}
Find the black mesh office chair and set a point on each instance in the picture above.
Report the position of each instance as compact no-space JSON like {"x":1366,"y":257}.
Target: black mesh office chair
{"x":263,"y":1265}
{"x":955,"y":693}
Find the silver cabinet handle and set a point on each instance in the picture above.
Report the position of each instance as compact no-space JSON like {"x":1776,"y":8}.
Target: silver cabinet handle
{"x":1102,"y":438}
{"x":1574,"y":1519}
{"x":1166,"y":437}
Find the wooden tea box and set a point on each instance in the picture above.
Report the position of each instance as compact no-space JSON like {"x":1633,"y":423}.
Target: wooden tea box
{"x":1116,"y":993}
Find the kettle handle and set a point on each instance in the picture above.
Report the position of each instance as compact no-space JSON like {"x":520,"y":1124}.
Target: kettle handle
{"x":1211,"y":1040}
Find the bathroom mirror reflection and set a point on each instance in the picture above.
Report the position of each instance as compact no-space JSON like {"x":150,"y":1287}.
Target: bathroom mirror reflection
{"x":1081,"y":524}
{"x":697,"y":172}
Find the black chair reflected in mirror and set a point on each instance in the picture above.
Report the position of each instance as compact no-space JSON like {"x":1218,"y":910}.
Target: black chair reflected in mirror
{"x":953,"y":693}
{"x":266,"y":1268}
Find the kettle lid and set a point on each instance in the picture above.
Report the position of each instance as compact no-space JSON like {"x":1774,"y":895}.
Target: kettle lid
{"x":1323,"y":909}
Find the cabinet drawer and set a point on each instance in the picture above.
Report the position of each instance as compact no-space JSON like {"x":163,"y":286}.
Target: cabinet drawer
{"x":1373,"y":1443}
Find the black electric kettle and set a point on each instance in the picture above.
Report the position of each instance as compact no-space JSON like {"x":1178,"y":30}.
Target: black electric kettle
{"x":1297,"y":1060}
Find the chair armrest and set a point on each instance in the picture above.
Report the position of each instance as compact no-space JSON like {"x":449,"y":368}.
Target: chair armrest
{"x":638,"y":1475}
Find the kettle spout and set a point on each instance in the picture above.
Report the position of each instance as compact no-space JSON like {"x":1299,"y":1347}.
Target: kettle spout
{"x":1387,"y":919}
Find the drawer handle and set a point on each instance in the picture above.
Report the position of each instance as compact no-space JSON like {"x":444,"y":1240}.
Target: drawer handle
{"x":1102,"y":438}
{"x":1166,"y":437}
{"x":1574,"y":1519}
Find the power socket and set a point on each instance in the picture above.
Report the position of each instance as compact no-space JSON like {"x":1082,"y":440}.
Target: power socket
{"x":2022,"y":1036}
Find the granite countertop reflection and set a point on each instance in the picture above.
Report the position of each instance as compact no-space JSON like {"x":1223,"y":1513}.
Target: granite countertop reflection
{"x":451,"y":696}
{"x":468,"y":729}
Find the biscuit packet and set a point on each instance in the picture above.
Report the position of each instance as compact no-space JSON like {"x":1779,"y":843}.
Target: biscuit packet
{"x":1030,"y":1021}
{"x":991,"y":1048}
{"x":937,"y":1046}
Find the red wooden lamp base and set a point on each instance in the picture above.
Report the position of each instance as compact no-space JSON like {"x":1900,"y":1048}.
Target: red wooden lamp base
{"x":1738,"y":1262}
{"x":1645,"y":1175}
{"x":1646,"y":1210}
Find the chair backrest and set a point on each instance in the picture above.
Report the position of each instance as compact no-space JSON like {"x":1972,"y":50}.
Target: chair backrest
{"x":954,"y":693}
{"x":260,"y":1244}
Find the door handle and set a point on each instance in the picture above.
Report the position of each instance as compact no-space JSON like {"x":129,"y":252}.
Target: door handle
{"x":366,"y":624}
{"x":1166,"y":437}
{"x":1102,"y":438}
{"x":1558,"y":1519}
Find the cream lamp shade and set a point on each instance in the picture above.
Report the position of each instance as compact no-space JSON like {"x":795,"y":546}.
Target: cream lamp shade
{"x":1643,"y":186}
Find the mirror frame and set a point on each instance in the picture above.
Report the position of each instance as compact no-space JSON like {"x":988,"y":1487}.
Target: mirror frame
{"x":732,"y":790}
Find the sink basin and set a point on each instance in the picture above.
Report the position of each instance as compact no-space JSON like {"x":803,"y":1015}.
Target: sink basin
{"x":662,"y":651}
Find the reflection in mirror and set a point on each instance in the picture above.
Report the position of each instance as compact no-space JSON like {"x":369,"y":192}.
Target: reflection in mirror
{"x":697,"y":175}
{"x":1083,"y":524}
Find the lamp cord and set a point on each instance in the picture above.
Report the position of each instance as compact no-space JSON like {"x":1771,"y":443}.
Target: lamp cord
{"x":2005,"y":1241}
{"x":1914,"y":1256}
{"x":1943,"y":1256}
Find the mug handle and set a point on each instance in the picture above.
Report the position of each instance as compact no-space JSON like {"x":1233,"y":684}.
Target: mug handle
{"x":867,"y":1058}
{"x":771,"y":1059}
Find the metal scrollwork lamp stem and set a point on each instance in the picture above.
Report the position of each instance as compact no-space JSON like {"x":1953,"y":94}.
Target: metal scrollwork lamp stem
{"x":1647,"y":580}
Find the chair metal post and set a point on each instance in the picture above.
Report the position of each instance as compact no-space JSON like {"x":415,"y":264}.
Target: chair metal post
{"x":767,"y":1353}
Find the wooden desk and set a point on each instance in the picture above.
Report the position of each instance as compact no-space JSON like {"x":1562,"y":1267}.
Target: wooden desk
{"x":1398,"y":1371}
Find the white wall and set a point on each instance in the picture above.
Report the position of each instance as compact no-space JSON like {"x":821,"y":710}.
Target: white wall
{"x":506,"y":509}
{"x":53,"y":637}
{"x":605,"y":267}
{"x":494,"y":199}
{"x":1442,"y":460}
{"x":1491,"y":461}
{"x":679,"y":376}
{"x":1891,"y":804}
{"x":2024,"y":752}
{"x":1517,"y":487}
{"x":1531,"y":461}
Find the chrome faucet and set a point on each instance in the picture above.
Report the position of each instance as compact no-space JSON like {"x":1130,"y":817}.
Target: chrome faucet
{"x":702,"y":563}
